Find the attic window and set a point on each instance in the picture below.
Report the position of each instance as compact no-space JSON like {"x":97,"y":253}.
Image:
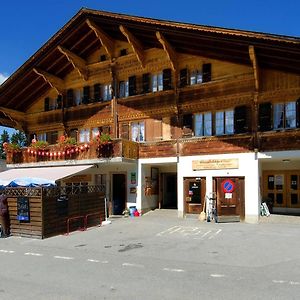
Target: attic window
{"x":123,"y":52}
{"x":103,"y":57}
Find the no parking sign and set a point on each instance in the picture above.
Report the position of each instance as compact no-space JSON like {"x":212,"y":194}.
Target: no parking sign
{"x":227,"y":186}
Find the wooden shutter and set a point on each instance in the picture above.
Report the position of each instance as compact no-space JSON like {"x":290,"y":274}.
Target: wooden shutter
{"x":187,"y":124}
{"x":146,"y":83}
{"x":70,"y":98}
{"x":265,"y":117}
{"x":59,"y":101}
{"x":97,"y":92}
{"x":157,"y":129}
{"x":298,"y":113}
{"x":206,"y":71}
{"x":86,"y":94}
{"x":46,"y":104}
{"x":167,"y":77}
{"x":175,"y":128}
{"x":240,"y":119}
{"x":124,"y":131}
{"x":132,"y":85}
{"x":183,"y":77}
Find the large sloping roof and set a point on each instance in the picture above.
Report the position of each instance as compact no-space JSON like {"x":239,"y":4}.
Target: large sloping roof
{"x":25,"y":85}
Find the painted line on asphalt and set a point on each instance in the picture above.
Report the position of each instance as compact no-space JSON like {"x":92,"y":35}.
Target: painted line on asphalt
{"x":203,"y":235}
{"x":33,"y":254}
{"x":279,"y":281}
{"x":215,"y":234}
{"x":217,"y":275}
{"x":64,"y":257}
{"x":132,"y":265}
{"x":7,"y":251}
{"x":169,"y":230}
{"x":294,"y":283}
{"x":93,"y":260}
{"x":174,"y":270}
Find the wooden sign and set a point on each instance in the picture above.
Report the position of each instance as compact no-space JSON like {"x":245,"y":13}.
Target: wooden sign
{"x":215,"y":164}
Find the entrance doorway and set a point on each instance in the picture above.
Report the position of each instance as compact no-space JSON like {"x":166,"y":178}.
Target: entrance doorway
{"x":194,"y":194}
{"x":230,"y":198}
{"x":282,"y":189}
{"x":169,"y":191}
{"x":118,"y":193}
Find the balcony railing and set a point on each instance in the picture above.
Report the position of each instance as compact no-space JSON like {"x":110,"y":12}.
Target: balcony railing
{"x":86,"y":151}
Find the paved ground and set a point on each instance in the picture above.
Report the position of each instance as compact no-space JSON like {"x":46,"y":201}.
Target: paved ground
{"x":157,"y":256}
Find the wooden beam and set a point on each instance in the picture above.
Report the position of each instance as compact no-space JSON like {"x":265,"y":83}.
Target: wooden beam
{"x":77,"y":62}
{"x":253,"y":59}
{"x":15,"y":118}
{"x":135,"y":44}
{"x":172,"y":56}
{"x":107,"y":42}
{"x":55,"y":82}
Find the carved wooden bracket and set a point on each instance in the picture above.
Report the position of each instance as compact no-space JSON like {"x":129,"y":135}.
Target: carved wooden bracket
{"x":135,"y":44}
{"x":171,"y":53}
{"x":107,"y":42}
{"x":15,"y":118}
{"x":77,"y":62}
{"x":253,"y":58}
{"x":55,"y":82}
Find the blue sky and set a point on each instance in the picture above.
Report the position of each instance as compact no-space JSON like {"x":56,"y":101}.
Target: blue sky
{"x":28,"y":24}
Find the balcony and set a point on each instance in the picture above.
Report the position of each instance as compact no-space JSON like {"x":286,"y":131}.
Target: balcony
{"x":116,"y":148}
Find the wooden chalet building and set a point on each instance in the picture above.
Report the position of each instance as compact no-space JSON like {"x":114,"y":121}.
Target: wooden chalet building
{"x":192,"y":111}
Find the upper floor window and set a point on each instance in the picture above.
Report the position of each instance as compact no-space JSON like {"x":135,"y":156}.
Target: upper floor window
{"x":123,"y":89}
{"x":284,"y":115}
{"x":106,"y":92}
{"x":196,"y":77}
{"x":224,"y":122}
{"x":84,"y":135}
{"x":103,"y":57}
{"x":157,"y":82}
{"x":138,"y":131}
{"x":123,"y":52}
{"x":42,"y":136}
{"x":78,"y":97}
{"x":203,"y":124}
{"x":95,"y":132}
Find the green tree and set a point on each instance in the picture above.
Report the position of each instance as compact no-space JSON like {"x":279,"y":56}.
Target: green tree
{"x":19,"y":138}
{"x":4,"y":138}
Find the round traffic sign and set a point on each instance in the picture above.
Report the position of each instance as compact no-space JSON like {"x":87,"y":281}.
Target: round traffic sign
{"x":227,"y":186}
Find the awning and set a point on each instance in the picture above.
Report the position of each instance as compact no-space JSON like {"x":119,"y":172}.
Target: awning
{"x":38,"y":176}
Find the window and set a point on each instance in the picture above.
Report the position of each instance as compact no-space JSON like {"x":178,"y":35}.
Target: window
{"x":73,"y":133}
{"x":86,"y":95}
{"x":103,"y":57}
{"x":97,"y":92}
{"x":138,"y":132}
{"x":123,"y":52}
{"x":195,"y":77}
{"x":132,"y":85}
{"x":284,"y":115}
{"x":206,"y":71}
{"x":167,"y":78}
{"x":106,"y":92}
{"x":146,"y":83}
{"x":52,"y":137}
{"x":59,"y":101}
{"x":47,"y":104}
{"x":203,"y":124}
{"x":224,"y":122}
{"x":183,"y":76}
{"x":157,"y":82}
{"x":78,"y":96}
{"x":42,"y":137}
{"x":95,"y":132}
{"x":123,"y":89}
{"x":70,"y":98}
{"x":84,"y":135}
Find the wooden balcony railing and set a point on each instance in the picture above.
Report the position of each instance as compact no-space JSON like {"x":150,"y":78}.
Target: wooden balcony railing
{"x":114,"y":148}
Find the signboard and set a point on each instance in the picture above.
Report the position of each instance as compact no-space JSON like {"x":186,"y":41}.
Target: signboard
{"x":227,"y":186}
{"x":215,"y":164}
{"x":23,"y":209}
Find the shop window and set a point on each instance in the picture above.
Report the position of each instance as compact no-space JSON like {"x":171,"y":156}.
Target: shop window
{"x":86,"y":95}
{"x":294,"y":199}
{"x":183,"y":77}
{"x":84,"y":135}
{"x":167,"y":79}
{"x":70,"y":97}
{"x":97,"y":92}
{"x":265,"y":116}
{"x":123,"y":89}
{"x":138,"y":132}
{"x":279,"y":198}
{"x":203,"y":124}
{"x":284,"y":115}
{"x":106,"y":92}
{"x":132,"y":85}
{"x":224,"y":122}
{"x":146,"y":83}
{"x":294,"y":182}
{"x":206,"y":71}
{"x":271,"y":183}
{"x":157,"y":82}
{"x":240,"y":119}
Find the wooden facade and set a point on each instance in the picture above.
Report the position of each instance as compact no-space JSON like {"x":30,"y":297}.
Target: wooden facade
{"x":172,"y":89}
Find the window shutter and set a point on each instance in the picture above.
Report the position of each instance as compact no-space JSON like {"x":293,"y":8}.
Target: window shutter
{"x":157,"y":129}
{"x":59,"y":101}
{"x":132,"y":85}
{"x":70,"y":98}
{"x":175,"y":128}
{"x":298,"y":113}
{"x":46,"y":104}
{"x":206,"y":71}
{"x":97,"y":92}
{"x":124,"y":132}
{"x":187,"y":125}
{"x":167,"y":76}
{"x":86,"y":94}
{"x":240,"y":119}
{"x":146,"y":83}
{"x":183,"y":77}
{"x":265,"y":117}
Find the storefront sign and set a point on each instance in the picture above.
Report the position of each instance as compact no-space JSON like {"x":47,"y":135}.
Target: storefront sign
{"x":215,"y":164}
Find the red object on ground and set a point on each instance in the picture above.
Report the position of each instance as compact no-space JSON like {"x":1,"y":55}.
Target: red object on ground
{"x":136,"y":213}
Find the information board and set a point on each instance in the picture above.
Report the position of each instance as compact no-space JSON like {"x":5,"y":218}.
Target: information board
{"x":23,"y":209}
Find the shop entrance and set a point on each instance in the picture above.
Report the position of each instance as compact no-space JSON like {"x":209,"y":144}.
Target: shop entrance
{"x":194,"y":194}
{"x":169,"y":191}
{"x":118,"y":193}
{"x":282,"y":190}
{"x":230,"y":198}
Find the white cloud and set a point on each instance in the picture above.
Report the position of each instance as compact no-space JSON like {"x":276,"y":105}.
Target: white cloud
{"x":3,"y":77}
